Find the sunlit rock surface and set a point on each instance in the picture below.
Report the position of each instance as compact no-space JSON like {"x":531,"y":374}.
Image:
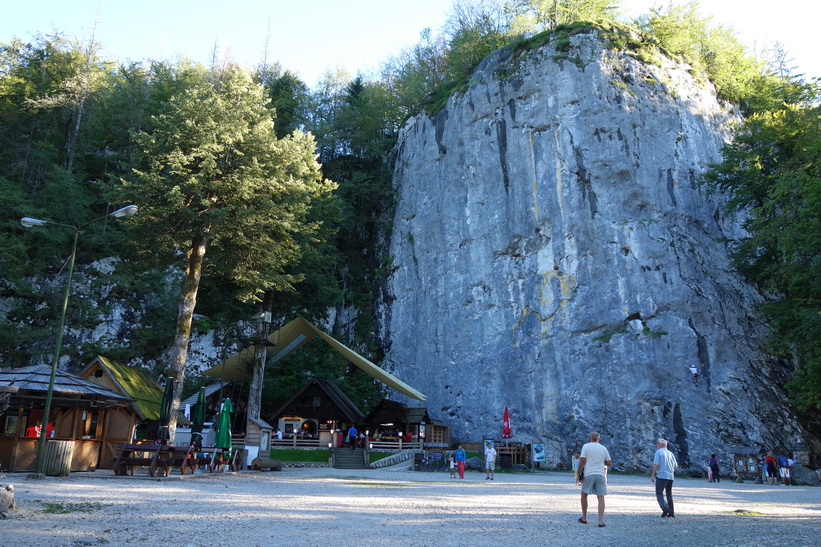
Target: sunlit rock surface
{"x":553,"y":252}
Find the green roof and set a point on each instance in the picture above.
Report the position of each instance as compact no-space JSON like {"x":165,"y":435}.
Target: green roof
{"x":138,"y":384}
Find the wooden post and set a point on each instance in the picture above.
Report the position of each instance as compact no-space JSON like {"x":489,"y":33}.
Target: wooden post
{"x":58,"y":458}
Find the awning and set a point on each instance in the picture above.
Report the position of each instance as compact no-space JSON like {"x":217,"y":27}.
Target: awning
{"x":290,"y":338}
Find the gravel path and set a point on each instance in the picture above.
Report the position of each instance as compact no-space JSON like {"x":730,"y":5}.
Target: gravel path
{"x":318,"y":507}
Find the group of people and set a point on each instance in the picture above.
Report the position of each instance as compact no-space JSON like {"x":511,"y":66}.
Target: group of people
{"x":457,"y":462}
{"x":592,"y":476}
{"x":778,"y":469}
{"x":595,"y":459}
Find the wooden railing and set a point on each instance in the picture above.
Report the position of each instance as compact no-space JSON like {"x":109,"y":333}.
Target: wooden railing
{"x":296,"y":442}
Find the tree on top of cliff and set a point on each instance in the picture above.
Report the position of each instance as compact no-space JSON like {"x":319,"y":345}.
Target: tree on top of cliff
{"x":772,"y":170}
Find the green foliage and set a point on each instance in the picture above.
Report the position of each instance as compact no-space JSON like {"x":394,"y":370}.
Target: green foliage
{"x":714,"y":52}
{"x":293,"y":455}
{"x":772,"y":172}
{"x":534,"y":16}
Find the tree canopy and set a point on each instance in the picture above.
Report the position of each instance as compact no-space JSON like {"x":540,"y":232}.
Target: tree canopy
{"x":772,"y":171}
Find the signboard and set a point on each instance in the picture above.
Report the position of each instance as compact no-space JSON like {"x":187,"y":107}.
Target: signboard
{"x":538,"y":453}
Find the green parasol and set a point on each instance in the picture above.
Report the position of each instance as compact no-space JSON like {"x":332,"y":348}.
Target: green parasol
{"x":223,"y":426}
{"x":198,"y":418}
{"x":165,"y":411}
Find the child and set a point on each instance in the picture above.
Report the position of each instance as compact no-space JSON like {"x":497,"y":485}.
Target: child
{"x":452,"y":466}
{"x":709,"y":473}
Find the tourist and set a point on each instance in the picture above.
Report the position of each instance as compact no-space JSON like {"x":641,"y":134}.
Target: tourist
{"x":576,"y":469}
{"x":664,"y":467}
{"x":452,"y":467}
{"x":592,"y":468}
{"x":461,"y":459}
{"x":714,"y":469}
{"x":352,"y":436}
{"x":784,"y":469}
{"x":769,"y":462}
{"x":490,"y":460}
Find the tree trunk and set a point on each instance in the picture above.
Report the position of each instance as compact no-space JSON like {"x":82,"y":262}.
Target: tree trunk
{"x":188,"y":301}
{"x":260,"y":355}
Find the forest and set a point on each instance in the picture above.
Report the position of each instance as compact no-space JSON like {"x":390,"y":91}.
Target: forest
{"x":259,"y":194}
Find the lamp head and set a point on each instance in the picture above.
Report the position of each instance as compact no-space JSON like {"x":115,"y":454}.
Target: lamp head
{"x":127,"y":211}
{"x":29,"y":222}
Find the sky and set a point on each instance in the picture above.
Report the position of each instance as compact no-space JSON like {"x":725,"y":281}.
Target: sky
{"x":312,"y":37}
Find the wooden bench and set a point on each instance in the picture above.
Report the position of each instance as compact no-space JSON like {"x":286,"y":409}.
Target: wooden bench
{"x":158,"y":458}
{"x":209,"y":457}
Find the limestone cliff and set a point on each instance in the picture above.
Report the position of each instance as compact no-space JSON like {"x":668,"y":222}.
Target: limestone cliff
{"x":553,"y":252}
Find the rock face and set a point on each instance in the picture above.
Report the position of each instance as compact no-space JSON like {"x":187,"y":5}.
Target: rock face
{"x":553,"y":252}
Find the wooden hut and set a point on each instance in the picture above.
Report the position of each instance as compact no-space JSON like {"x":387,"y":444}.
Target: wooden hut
{"x":310,"y":416}
{"x":93,"y":417}
{"x":391,"y":421}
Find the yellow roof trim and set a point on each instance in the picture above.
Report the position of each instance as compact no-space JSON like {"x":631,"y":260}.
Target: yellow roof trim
{"x":293,"y":336}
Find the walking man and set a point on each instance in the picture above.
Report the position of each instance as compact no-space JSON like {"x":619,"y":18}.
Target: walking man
{"x":664,"y":466}
{"x":490,"y":460}
{"x":593,"y":463}
{"x":352,"y":436}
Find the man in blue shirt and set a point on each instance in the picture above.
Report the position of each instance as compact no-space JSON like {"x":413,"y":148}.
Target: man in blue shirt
{"x":352,"y":436}
{"x":664,"y":466}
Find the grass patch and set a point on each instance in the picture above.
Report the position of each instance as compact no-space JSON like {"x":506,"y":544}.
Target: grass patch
{"x":746,"y":513}
{"x":58,"y":508}
{"x":376,"y":456}
{"x":295,"y":455}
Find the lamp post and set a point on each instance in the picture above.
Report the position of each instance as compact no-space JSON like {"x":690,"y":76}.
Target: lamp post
{"x":28,"y":222}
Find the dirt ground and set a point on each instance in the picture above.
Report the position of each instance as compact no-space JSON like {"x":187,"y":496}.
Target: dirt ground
{"x":318,"y":507}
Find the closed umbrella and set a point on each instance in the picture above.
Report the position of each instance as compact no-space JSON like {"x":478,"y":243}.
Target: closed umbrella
{"x":198,"y":418}
{"x":506,"y":431}
{"x":165,"y":411}
{"x":224,"y":426}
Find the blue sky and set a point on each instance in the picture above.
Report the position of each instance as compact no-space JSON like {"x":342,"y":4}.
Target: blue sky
{"x":314,"y":36}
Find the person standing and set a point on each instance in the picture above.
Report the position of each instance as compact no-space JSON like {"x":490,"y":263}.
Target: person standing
{"x":772,"y":472}
{"x":593,"y":465}
{"x":352,"y":436}
{"x":576,"y":469}
{"x":714,"y":468}
{"x":784,"y":469}
{"x":461,"y":459}
{"x":664,"y":467}
{"x":490,"y":460}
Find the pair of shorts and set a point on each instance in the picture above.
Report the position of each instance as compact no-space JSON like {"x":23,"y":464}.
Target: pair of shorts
{"x":771,"y":471}
{"x":594,"y":485}
{"x":490,"y":465}
{"x":785,"y":472}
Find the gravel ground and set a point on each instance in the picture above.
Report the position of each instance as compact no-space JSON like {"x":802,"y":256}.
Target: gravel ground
{"x":313,"y":507}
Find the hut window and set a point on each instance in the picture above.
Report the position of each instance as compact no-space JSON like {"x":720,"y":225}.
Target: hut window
{"x":317,"y":401}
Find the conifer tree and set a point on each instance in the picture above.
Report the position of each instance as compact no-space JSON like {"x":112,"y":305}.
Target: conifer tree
{"x":212,"y":176}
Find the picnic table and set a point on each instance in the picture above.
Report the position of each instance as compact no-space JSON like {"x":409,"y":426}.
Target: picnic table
{"x":210,"y":457}
{"x":159,"y":458}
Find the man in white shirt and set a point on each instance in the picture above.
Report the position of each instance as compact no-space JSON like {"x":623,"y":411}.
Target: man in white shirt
{"x":592,"y":468}
{"x":490,"y":460}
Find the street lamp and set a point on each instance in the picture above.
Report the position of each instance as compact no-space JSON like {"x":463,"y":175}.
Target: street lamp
{"x":28,"y":222}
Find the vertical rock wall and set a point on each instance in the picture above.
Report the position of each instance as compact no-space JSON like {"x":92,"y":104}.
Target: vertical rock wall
{"x":553,"y":252}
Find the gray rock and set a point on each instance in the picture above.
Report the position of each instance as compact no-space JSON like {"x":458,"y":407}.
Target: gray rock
{"x":554,"y":252}
{"x":804,"y":476}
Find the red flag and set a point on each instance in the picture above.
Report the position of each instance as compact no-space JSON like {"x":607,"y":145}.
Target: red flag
{"x":506,"y":432}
